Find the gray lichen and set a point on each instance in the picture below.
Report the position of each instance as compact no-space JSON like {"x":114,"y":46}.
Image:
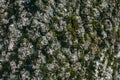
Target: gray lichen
{"x":60,"y":39}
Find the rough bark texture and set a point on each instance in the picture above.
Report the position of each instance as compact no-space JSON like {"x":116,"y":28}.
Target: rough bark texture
{"x":60,"y":39}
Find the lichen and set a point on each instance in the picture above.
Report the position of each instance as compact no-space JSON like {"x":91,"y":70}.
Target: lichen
{"x":59,"y":40}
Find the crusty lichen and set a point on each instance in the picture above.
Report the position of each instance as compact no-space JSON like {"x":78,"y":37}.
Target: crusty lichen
{"x":59,"y":39}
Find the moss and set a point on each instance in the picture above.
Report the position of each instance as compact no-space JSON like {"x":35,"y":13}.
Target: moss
{"x":69,"y":27}
{"x":54,"y":34}
{"x":68,"y":8}
{"x":61,"y":62}
{"x":56,"y":0}
{"x":75,"y":25}
{"x":55,"y":19}
{"x":72,"y":31}
{"x":74,"y":7}
{"x":60,"y":14}
{"x":95,"y":25}
{"x":61,"y":35}
{"x":73,"y":21}
{"x":87,"y":37}
{"x":46,"y":2}
{"x":73,"y":17}
{"x":81,"y":41}
{"x":74,"y":37}
{"x":49,"y":59}
{"x":76,"y":46}
{"x":39,"y":40}
{"x":70,"y":0}
{"x":33,"y":24}
{"x":91,"y":13}
{"x":56,"y":52}
{"x":20,"y":39}
{"x":106,"y":25}
{"x":59,"y":78}
{"x":27,"y":40}
{"x":0,"y":18}
{"x":64,"y":44}
{"x":10,"y":9}
{"x":72,"y":72}
{"x":81,"y":57}
{"x":43,"y":69}
{"x":62,"y":38}
{"x":68,"y":19}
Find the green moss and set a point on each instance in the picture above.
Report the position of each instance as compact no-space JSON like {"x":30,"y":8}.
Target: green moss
{"x":72,"y":72}
{"x":6,"y":66}
{"x":70,"y":29}
{"x":64,"y":44}
{"x":95,"y":25}
{"x":39,"y":40}
{"x":61,"y":35}
{"x":68,"y":19}
{"x":56,"y":0}
{"x":80,"y":40}
{"x":33,"y":24}
{"x":55,"y":19}
{"x":54,"y":34}
{"x":46,"y":2}
{"x":81,"y":60}
{"x":87,"y":37}
{"x":59,"y":78}
{"x":56,"y":52}
{"x":91,"y":13}
{"x":75,"y":24}
{"x":49,"y":59}
{"x":73,"y":21}
{"x":27,"y":40}
{"x":70,"y":0}
{"x":106,"y":25}
{"x":43,"y":69}
{"x":0,"y":18}
{"x":60,"y":14}
{"x":20,"y":40}
{"x":10,"y":9}
{"x":38,"y":43}
{"x":61,"y":62}
{"x":68,"y":8}
{"x":77,"y":46}
{"x":73,"y":17}
{"x":74,"y":38}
